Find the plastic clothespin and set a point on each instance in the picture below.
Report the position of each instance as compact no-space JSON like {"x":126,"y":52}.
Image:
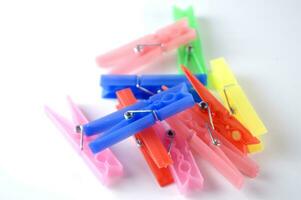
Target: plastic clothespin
{"x":130,"y":120}
{"x":149,"y":144}
{"x":184,"y":169}
{"x":209,"y":153}
{"x":142,"y":86}
{"x":218,"y":143}
{"x":184,"y":124}
{"x":219,"y":117}
{"x":105,"y":165}
{"x":194,"y":122}
{"x":191,"y":55}
{"x":127,"y":58}
{"x":234,"y":98}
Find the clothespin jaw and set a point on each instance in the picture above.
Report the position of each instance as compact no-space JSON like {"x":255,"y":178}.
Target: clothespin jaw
{"x":142,"y":86}
{"x":105,"y":165}
{"x":214,"y":139}
{"x":219,"y":116}
{"x":149,"y":143}
{"x":191,"y":55}
{"x":163,"y":175}
{"x":185,"y":171}
{"x":206,"y":150}
{"x":191,"y":128}
{"x":127,"y":58}
{"x":195,"y":125}
{"x":132,"y":119}
{"x":234,"y":98}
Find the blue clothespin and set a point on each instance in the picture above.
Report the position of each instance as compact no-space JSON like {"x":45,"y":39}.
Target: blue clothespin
{"x":142,"y":86}
{"x":121,"y":124}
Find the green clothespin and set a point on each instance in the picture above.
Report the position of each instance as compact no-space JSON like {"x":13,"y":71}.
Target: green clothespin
{"x":190,"y":55}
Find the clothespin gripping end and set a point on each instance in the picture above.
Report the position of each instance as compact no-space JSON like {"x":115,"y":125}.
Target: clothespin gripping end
{"x":204,"y":106}
{"x":79,"y":129}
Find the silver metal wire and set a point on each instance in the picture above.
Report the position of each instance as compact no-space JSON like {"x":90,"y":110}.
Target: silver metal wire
{"x":140,"y":47}
{"x":130,"y":113}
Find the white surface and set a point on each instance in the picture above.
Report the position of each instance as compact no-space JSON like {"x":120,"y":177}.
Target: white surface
{"x":47,"y":50}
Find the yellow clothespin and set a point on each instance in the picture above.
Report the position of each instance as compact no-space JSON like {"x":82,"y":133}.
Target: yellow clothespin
{"x":235,"y":100}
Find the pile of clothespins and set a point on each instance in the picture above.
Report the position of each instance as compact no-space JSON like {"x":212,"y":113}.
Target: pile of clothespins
{"x":170,"y":116}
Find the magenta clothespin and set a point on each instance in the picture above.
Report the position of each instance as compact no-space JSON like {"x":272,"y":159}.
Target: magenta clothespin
{"x":127,"y":58}
{"x":105,"y":165}
{"x":184,"y":168}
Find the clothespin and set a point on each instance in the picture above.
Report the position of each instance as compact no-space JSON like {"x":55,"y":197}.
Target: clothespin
{"x":191,"y":55}
{"x":209,"y":153}
{"x":127,"y":58}
{"x":235,"y":100}
{"x":133,"y":119}
{"x":218,"y":143}
{"x":149,"y":143}
{"x":219,"y":118}
{"x":184,"y":169}
{"x":142,"y":86}
{"x":104,"y":164}
{"x":188,"y":125}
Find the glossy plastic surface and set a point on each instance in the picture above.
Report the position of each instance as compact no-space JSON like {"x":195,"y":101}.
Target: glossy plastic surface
{"x":241,"y":161}
{"x":233,"y":96}
{"x":184,"y":169}
{"x":191,"y":55}
{"x":105,"y":165}
{"x":112,"y":83}
{"x":115,"y":127}
{"x":224,"y":122}
{"x":208,"y":152}
{"x":126,"y":59}
{"x":151,"y":147}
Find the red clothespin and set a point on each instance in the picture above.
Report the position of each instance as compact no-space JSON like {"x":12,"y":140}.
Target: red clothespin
{"x":150,"y":145}
{"x":219,"y":118}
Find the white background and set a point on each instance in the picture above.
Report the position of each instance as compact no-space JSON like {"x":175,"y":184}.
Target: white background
{"x":48,"y":49}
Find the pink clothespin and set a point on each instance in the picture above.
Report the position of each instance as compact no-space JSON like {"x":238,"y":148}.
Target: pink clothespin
{"x":184,"y":169}
{"x":241,"y":161}
{"x":127,"y":58}
{"x":105,"y":165}
{"x":207,"y":152}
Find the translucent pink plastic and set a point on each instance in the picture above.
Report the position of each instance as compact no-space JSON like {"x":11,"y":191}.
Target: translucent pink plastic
{"x":184,"y":169}
{"x":126,"y":60}
{"x":241,"y":161}
{"x":105,"y":165}
{"x":209,"y":152}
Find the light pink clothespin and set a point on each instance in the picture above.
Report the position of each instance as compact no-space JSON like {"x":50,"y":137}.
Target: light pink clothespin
{"x":241,"y":161}
{"x":184,"y":169}
{"x":127,"y":58}
{"x":244,"y":164}
{"x":105,"y":165}
{"x":207,"y":152}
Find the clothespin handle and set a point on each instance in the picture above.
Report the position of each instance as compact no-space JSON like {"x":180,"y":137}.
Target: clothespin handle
{"x":149,"y":143}
{"x":191,"y":55}
{"x":225,"y":123}
{"x":137,"y":117}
